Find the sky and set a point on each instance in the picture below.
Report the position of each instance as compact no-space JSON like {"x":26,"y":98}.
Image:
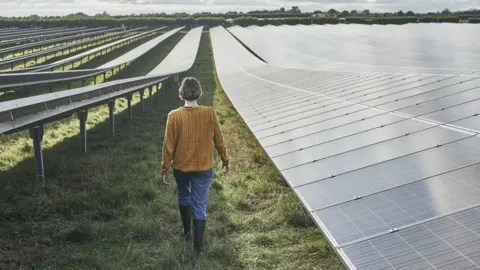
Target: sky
{"x":125,"y":7}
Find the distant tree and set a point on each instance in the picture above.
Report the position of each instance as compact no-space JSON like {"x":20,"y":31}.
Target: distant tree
{"x":295,"y":9}
{"x":354,"y":13}
{"x":410,"y":13}
{"x":318,"y":12}
{"x":400,"y":13}
{"x":344,"y":13}
{"x":446,"y":11}
{"x":366,"y":12}
{"x":282,"y":9}
{"x":332,"y":11}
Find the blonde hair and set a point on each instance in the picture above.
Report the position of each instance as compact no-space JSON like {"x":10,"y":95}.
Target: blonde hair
{"x":190,"y":89}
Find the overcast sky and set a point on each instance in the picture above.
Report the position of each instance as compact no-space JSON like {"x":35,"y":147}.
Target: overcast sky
{"x":116,"y":7}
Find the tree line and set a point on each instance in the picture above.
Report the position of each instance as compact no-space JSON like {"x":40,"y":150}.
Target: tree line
{"x":260,"y":17}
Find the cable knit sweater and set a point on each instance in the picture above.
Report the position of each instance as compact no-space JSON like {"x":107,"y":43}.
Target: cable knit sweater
{"x":189,"y":138}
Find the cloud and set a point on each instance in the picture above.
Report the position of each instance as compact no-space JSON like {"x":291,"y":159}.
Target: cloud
{"x":117,"y":7}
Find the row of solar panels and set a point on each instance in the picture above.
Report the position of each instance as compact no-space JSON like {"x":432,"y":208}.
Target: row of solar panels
{"x":388,"y":164}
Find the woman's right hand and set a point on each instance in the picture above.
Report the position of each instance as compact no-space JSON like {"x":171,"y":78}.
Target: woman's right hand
{"x":165,"y":179}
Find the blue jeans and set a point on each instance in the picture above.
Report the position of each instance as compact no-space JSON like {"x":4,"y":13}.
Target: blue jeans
{"x":193,"y":190}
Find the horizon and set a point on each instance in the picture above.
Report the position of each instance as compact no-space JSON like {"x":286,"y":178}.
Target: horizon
{"x":25,"y":8}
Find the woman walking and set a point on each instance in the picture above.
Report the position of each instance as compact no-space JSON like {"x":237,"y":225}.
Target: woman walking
{"x":187,"y":149}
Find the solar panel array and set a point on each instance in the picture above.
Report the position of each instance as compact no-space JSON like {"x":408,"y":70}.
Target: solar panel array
{"x":22,"y":113}
{"x":8,"y":81}
{"x":80,"y":35}
{"x":387,"y":160}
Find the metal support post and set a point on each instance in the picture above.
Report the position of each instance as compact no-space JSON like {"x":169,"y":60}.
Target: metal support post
{"x":142,"y":101}
{"x":158,"y":92}
{"x":111,"y":107}
{"x":36,"y":133}
{"x":82,"y":116}
{"x":150,"y":90}
{"x":129,"y":102}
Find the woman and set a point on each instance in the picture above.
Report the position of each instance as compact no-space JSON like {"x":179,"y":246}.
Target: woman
{"x":187,"y":148}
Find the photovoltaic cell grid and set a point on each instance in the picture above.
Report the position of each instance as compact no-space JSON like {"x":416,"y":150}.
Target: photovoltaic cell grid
{"x":361,"y":48}
{"x":387,"y":163}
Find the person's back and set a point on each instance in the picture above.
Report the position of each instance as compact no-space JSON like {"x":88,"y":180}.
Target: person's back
{"x":194,"y":130}
{"x":187,"y":148}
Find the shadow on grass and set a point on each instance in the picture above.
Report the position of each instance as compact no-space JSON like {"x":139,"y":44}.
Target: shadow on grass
{"x":107,"y":208}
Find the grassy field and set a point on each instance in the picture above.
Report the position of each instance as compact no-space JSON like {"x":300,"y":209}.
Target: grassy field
{"x":108,"y":209}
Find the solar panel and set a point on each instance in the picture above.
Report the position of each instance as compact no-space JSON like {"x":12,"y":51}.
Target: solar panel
{"x":363,"y":48}
{"x":386,"y":161}
{"x":450,"y":242}
{"x":183,"y":55}
{"x":140,"y":50}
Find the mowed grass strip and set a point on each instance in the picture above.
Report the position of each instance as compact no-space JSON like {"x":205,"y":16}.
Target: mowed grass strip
{"x":108,"y":209}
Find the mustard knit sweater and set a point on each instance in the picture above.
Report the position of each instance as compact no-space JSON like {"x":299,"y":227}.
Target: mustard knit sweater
{"x":189,"y":138}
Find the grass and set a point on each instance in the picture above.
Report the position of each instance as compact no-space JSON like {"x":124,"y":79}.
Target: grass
{"x":108,"y":209}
